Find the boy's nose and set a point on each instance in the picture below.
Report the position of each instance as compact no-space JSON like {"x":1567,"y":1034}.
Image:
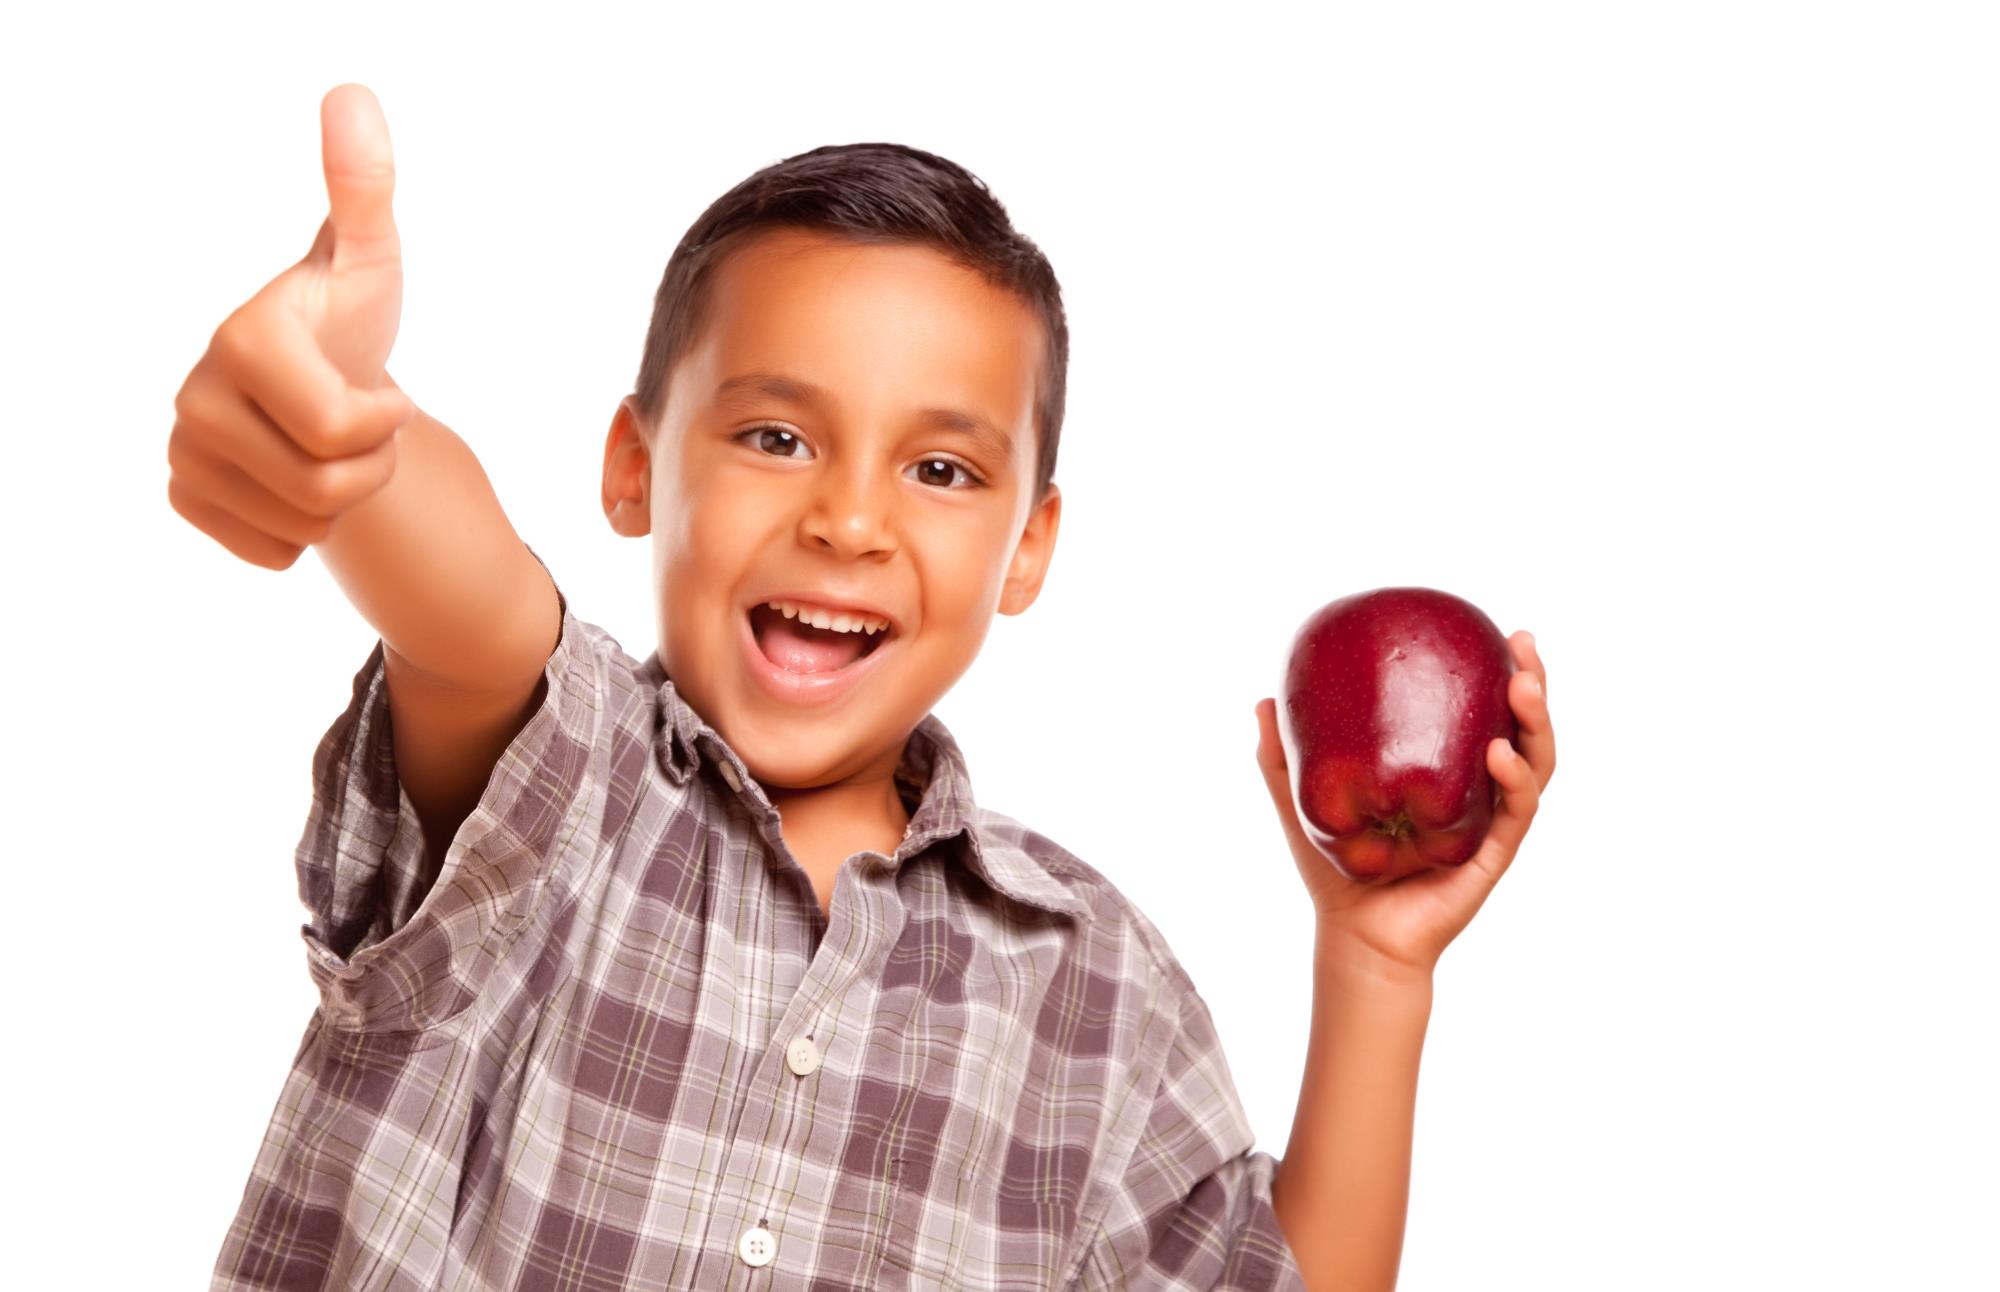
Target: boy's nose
{"x":849,"y":515}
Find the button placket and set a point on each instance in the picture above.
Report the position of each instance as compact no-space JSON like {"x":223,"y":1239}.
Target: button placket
{"x":775,"y":1105}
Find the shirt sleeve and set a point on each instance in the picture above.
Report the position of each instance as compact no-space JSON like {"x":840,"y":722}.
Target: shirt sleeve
{"x":1193,"y":1210}
{"x":393,"y":947}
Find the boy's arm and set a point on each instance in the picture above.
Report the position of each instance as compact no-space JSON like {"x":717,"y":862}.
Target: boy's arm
{"x":467,"y":616}
{"x":1343,"y":1186}
{"x":289,"y":433}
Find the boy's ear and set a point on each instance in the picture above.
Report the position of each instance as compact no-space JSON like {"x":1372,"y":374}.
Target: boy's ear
{"x":1031,"y":554}
{"x":627,"y":473}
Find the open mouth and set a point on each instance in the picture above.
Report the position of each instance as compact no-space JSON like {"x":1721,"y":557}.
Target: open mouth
{"x":798,"y":647}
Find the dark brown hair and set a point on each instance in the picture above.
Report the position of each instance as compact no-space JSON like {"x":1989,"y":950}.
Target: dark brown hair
{"x":875,"y":192}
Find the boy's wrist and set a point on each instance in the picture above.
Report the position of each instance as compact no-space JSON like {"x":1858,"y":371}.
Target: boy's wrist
{"x":1343,"y":961}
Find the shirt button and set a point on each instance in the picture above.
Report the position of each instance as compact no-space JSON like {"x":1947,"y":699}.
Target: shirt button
{"x":802,"y":1056}
{"x":729,"y":774}
{"x":757,"y":1246}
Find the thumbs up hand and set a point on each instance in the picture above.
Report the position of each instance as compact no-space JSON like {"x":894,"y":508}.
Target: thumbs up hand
{"x":289,"y":418}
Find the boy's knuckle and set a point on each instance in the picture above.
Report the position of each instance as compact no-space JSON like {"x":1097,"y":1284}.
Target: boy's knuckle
{"x":184,"y":464}
{"x":320,"y":490}
{"x":318,"y":429}
{"x":238,"y":344}
{"x":195,"y":401}
{"x":354,"y":422}
{"x":177,"y":498}
{"x":177,"y":445}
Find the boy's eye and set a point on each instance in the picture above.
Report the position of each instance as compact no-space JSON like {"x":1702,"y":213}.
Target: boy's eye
{"x":944,"y":476}
{"x":777,"y":442}
{"x":773,"y":438}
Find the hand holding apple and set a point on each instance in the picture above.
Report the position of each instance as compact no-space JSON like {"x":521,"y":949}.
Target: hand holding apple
{"x":1393,"y":763}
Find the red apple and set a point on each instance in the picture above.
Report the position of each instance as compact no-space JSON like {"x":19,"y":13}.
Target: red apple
{"x":1390,"y":700}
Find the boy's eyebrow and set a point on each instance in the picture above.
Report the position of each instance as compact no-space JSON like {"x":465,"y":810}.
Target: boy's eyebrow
{"x":794,"y":391}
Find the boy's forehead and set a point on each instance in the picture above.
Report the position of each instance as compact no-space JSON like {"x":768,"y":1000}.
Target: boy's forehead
{"x":874,"y":323}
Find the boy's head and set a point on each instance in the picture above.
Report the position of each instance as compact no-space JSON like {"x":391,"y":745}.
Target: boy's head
{"x":851,"y":395}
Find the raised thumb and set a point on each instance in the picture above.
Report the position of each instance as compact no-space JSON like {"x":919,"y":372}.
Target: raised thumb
{"x":360,"y":172}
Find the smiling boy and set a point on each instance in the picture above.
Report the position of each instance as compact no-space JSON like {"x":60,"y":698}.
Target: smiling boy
{"x":853,"y":427}
{"x":707,"y":970}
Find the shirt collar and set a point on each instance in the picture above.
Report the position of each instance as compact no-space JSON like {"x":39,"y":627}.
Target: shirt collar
{"x":932,"y":764}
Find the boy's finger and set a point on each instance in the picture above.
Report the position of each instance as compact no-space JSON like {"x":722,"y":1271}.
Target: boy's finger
{"x":227,"y":487}
{"x":1520,"y":795}
{"x":360,"y":175}
{"x":274,"y":360}
{"x":1536,"y":734}
{"x":241,"y":539}
{"x":1263,"y":737}
{"x":224,"y":424}
{"x":1277,"y":776}
{"x":1270,"y":747}
{"x":1528,"y":657}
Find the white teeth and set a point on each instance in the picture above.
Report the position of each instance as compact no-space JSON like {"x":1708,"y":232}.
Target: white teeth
{"x":840,"y":622}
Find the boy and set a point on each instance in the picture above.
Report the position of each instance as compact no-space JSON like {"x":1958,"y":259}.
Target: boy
{"x":707,"y":970}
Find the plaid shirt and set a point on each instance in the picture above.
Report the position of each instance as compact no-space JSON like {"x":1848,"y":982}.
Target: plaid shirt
{"x":614,"y":1042}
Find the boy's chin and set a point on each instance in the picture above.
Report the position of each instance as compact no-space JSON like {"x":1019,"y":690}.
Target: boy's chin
{"x":795,"y":760}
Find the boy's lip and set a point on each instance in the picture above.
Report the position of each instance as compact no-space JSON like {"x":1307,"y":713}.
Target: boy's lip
{"x":788,"y":687}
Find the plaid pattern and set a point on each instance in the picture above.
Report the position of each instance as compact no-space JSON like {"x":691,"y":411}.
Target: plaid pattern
{"x":560,"y":1062}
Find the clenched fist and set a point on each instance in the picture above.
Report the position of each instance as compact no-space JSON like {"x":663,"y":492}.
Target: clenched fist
{"x":289,"y":418}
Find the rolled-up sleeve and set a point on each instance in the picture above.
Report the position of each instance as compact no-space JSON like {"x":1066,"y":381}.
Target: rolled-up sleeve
{"x":1194,"y":1209}
{"x":391,"y":946}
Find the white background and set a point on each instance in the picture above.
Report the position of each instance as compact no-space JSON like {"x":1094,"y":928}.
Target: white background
{"x":1667,"y":334}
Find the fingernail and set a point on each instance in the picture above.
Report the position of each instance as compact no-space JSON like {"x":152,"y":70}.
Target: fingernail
{"x":1535,"y":682}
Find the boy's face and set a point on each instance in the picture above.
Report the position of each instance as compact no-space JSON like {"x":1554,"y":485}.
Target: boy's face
{"x":832,"y":485}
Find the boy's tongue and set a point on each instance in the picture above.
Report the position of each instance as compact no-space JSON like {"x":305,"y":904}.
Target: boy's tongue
{"x":802,"y":648}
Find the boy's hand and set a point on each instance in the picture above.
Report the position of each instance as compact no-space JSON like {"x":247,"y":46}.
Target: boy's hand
{"x":1397,"y":931}
{"x":289,"y":418}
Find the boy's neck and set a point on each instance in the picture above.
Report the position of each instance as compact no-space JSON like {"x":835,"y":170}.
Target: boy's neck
{"x":825,"y":825}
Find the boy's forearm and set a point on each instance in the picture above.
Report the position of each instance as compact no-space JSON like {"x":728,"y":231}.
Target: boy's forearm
{"x":431,"y":561}
{"x":1343,"y":1186}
